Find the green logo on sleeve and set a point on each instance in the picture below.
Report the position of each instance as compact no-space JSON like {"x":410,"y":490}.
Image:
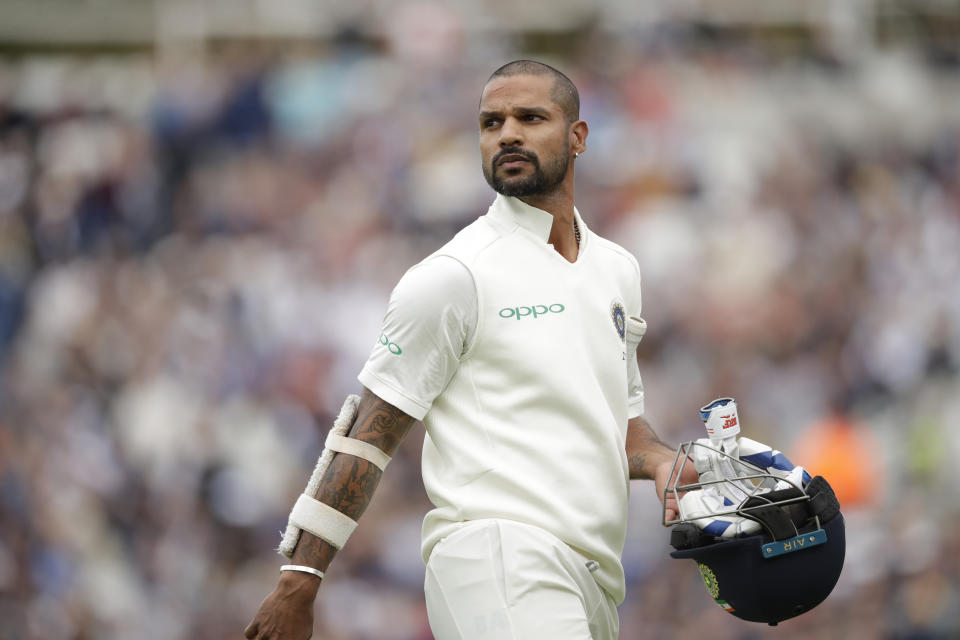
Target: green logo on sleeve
{"x":393,"y":347}
{"x":533,"y":311}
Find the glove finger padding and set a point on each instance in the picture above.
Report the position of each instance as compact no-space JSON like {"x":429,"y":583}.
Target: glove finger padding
{"x":714,"y":514}
{"x":768,"y":458}
{"x":726,"y":468}
{"x":720,"y":468}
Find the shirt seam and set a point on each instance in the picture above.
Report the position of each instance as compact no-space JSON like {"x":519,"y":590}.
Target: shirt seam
{"x":476,"y":292}
{"x":481,"y":324}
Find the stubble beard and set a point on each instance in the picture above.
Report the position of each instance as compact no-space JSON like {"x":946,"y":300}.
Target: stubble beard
{"x":541,"y":181}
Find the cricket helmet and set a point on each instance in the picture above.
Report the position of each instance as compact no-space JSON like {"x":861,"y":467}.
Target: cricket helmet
{"x":768,"y":539}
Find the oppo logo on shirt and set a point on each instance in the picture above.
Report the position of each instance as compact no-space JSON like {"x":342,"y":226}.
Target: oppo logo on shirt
{"x":392,"y":347}
{"x":534,"y":311}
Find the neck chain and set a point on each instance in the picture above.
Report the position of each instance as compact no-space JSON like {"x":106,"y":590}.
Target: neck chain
{"x":576,"y":231}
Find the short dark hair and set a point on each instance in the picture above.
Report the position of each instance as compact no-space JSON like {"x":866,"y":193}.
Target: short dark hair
{"x":564,"y":93}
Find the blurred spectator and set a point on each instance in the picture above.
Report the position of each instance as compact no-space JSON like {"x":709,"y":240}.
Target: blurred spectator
{"x":844,"y":451}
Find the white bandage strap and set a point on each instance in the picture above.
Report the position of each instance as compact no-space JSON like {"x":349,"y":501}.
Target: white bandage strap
{"x":348,"y":413}
{"x":322,"y":520}
{"x":358,"y":448}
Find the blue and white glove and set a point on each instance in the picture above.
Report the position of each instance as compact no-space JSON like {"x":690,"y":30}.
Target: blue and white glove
{"x":719,"y":460}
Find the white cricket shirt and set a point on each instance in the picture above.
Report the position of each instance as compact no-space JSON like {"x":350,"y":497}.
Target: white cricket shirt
{"x":515,"y":360}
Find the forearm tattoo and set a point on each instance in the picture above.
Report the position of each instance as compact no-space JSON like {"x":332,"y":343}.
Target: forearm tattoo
{"x":349,"y":482}
{"x":636,"y":463}
{"x":645,"y":450}
{"x":379,"y":423}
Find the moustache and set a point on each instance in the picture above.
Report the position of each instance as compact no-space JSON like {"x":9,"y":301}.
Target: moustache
{"x":516,"y":151}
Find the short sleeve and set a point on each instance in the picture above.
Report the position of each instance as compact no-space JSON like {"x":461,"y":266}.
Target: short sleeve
{"x":430,"y":320}
{"x":635,"y":405}
{"x":635,"y":399}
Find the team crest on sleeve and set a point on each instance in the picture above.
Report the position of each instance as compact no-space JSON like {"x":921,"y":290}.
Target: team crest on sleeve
{"x":619,"y":317}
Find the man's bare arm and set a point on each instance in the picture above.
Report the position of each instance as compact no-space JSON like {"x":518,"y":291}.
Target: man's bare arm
{"x":350,"y":481}
{"x":347,"y":486}
{"x":645,"y":450}
{"x":650,"y":458}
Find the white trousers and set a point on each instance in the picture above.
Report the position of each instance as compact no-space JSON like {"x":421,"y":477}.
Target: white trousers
{"x":504,"y":580}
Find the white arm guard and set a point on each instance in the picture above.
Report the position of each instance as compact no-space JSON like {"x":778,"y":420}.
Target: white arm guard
{"x":309,"y":514}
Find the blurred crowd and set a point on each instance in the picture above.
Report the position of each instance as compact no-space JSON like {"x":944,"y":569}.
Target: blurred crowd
{"x":196,"y":251}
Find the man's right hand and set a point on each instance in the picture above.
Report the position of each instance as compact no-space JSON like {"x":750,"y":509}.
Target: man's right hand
{"x":287,"y":613}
